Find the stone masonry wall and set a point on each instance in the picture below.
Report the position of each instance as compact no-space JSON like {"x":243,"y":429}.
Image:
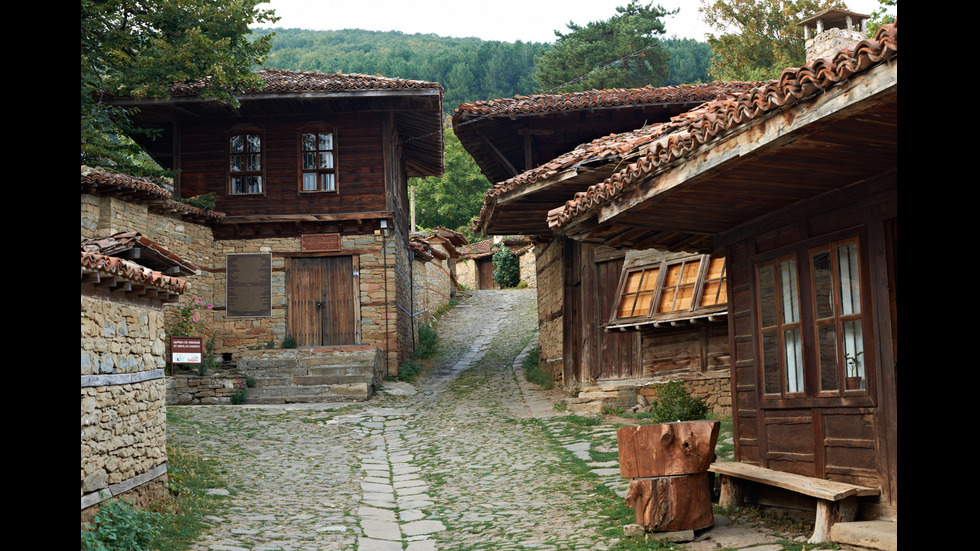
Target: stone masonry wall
{"x":528,"y":270}
{"x":123,"y":410}
{"x":466,"y":272}
{"x":550,"y":278}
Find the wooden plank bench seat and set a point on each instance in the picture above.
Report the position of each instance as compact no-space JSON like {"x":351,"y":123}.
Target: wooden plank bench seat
{"x":836,"y":501}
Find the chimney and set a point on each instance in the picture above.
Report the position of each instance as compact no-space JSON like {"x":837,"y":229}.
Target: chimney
{"x":833,"y":30}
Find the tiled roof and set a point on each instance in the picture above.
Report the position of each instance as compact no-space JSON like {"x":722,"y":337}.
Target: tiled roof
{"x":593,"y":99}
{"x":152,"y":254}
{"x":279,"y":81}
{"x":155,"y":193}
{"x":518,"y":244}
{"x":104,"y":265}
{"x":690,"y":131}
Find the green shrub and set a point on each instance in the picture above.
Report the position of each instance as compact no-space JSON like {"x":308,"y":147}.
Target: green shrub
{"x":289,"y":342}
{"x":533,"y":372}
{"x":673,"y":403}
{"x":506,"y":268}
{"x":408,"y":370}
{"x":428,"y":340}
{"x":119,"y":525}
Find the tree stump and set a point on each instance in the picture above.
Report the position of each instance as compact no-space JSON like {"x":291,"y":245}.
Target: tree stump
{"x":668,"y":463}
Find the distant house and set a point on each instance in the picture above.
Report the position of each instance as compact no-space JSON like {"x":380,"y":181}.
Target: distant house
{"x":310,"y":173}
{"x":795,"y":183}
{"x":476,"y":266}
{"x":563,"y":144}
{"x":434,"y":275}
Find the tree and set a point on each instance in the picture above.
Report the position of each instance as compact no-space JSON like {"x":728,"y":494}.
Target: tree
{"x":455,"y":198}
{"x":886,"y":13}
{"x":506,"y":267}
{"x":141,"y":48}
{"x":758,"y":38}
{"x":622,"y":52}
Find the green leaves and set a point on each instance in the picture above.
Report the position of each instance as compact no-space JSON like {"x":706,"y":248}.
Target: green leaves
{"x":140,"y":49}
{"x":621,"y":52}
{"x":757,"y":39}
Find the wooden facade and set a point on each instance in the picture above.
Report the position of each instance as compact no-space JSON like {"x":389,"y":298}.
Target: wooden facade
{"x":796,"y":184}
{"x":314,"y":168}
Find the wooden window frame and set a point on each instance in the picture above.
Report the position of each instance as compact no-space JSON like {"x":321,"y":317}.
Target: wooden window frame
{"x":779,"y":329}
{"x":814,"y":393}
{"x":317,"y":128}
{"x":246,"y":173}
{"x":663,"y":268}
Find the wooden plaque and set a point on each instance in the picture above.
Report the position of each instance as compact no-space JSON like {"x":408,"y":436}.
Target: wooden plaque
{"x":320,"y":242}
{"x":249,"y":286}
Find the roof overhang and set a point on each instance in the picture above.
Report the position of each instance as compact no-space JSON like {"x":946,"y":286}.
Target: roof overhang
{"x":417,"y":114}
{"x":843,"y":136}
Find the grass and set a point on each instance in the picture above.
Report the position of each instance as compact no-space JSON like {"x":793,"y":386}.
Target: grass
{"x":533,"y":372}
{"x":171,"y":523}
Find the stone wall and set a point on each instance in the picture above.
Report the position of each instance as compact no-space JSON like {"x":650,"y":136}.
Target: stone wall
{"x":466,"y":272}
{"x":123,"y":410}
{"x":433,"y":286}
{"x":550,"y":277}
{"x":713,"y":388}
{"x":191,"y":388}
{"x":529,"y":273}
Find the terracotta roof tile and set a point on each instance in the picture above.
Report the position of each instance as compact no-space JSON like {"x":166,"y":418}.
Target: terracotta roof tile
{"x":129,"y":270}
{"x":546,"y":103}
{"x":157,"y":194}
{"x":153,"y":254}
{"x":278,"y":81}
{"x":689,"y":131}
{"x":518,"y":244}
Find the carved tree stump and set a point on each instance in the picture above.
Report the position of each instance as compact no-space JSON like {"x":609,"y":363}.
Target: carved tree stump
{"x":672,"y":503}
{"x":668,"y":463}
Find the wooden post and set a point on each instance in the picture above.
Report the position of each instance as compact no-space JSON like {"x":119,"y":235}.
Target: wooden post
{"x":668,"y":463}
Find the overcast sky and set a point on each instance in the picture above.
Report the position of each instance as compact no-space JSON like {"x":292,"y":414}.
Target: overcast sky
{"x":504,"y":20}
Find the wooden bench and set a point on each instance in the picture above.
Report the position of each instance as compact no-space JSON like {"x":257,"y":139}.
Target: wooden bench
{"x":836,"y":501}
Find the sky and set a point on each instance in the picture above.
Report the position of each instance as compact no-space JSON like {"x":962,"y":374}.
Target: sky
{"x":504,"y":20}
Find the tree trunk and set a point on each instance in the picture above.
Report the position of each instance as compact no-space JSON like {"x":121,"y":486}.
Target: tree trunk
{"x":672,"y":503}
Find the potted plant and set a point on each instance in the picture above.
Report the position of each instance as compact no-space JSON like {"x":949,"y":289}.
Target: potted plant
{"x":853,"y":380}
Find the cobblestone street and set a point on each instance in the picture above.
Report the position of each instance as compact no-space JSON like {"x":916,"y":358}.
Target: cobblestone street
{"x":476,"y":458}
{"x":463,"y":464}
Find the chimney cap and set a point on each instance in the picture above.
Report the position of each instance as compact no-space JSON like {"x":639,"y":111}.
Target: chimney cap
{"x":835,"y":18}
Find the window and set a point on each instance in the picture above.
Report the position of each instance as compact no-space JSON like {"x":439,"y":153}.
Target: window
{"x":820,"y":340}
{"x":672,"y":287}
{"x":837,"y":313}
{"x":779,"y":321}
{"x":317,"y":160}
{"x":245,"y":163}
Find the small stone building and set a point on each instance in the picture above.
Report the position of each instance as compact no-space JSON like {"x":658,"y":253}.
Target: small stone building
{"x":434,"y":279}
{"x":123,"y":388}
{"x":475,"y":270}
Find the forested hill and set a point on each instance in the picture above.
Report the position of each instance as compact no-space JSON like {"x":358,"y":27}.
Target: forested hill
{"x":469,"y":69}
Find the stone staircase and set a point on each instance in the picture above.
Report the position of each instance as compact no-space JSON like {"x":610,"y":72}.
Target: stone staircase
{"x":310,"y":375}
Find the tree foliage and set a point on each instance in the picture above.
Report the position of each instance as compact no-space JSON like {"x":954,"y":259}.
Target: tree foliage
{"x":455,"y":198}
{"x":757,"y":39}
{"x":621,"y":52}
{"x":886,"y":13}
{"x":141,"y":48}
{"x":506,"y":267}
{"x":690,"y":61}
{"x":470,"y":69}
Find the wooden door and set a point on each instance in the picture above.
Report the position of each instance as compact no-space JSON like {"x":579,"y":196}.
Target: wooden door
{"x":485,"y":274}
{"x":322,"y":301}
{"x":617,"y":354}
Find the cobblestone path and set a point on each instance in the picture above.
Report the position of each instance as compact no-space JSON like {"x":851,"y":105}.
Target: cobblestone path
{"x":473,"y":460}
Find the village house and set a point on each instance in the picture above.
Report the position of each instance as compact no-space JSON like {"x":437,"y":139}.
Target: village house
{"x":475,"y":268}
{"x":435,"y":259}
{"x":310,"y":173}
{"x":795,"y":183}
{"x":587,"y":339}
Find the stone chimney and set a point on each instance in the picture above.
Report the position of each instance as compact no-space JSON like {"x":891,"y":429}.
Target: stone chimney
{"x":832,"y":30}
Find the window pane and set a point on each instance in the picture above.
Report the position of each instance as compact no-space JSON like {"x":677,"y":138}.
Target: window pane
{"x":767,"y":296}
{"x":794,"y":360}
{"x":309,"y":161}
{"x":237,"y":144}
{"x":853,"y":349}
{"x":254,"y":143}
{"x":326,"y":142}
{"x":326,"y":160}
{"x":637,"y":293}
{"x":823,"y":285}
{"x":328,"y":183}
{"x":237,"y":163}
{"x":850,"y":286}
{"x":770,"y":363}
{"x":309,"y":181}
{"x":827,"y":342}
{"x":255,"y":184}
{"x":789,"y":296}
{"x":238,"y":184}
{"x":309,"y":142}
{"x":254,"y":162}
{"x":714,"y":291}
